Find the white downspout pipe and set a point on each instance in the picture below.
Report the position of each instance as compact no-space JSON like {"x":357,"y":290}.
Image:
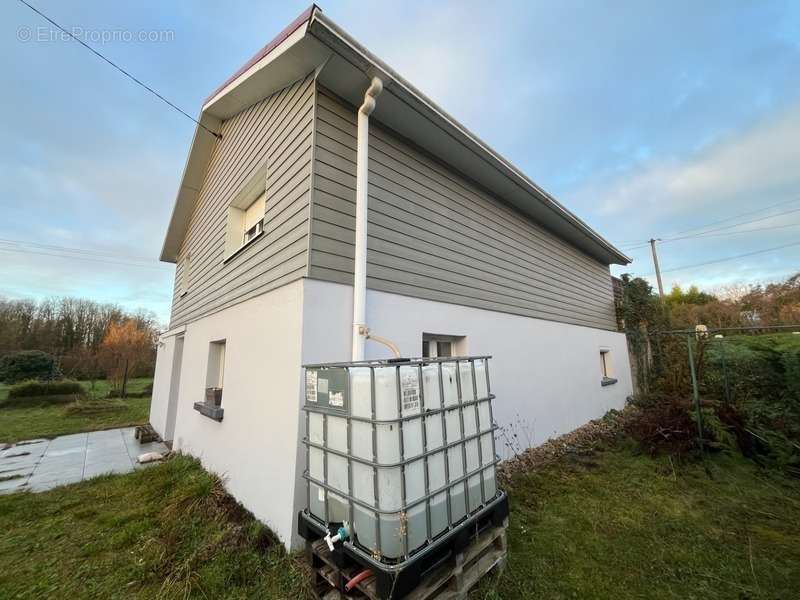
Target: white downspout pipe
{"x":360,"y":330}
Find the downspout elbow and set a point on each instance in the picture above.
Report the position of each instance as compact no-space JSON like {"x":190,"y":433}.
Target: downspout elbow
{"x":373,"y":91}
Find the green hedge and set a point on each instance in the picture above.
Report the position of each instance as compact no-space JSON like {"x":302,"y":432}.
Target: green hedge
{"x":33,"y":388}
{"x":764,"y":383}
{"x":27,"y":364}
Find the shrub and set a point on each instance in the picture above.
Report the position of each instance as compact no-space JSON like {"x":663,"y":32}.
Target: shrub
{"x":663,"y":425}
{"x":28,"y":389}
{"x":29,"y":393}
{"x":791,"y":368}
{"x":667,"y":424}
{"x":764,"y":382}
{"x":27,"y":364}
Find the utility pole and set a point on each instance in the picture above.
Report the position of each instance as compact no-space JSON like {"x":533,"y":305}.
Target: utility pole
{"x":658,"y":269}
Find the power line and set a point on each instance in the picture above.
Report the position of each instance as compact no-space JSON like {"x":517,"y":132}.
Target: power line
{"x":715,"y":233}
{"x":632,"y":245}
{"x":85,"y":251}
{"x":701,"y":233}
{"x":720,"y":260}
{"x":705,"y":235}
{"x":78,"y":257}
{"x":636,"y":247}
{"x":118,"y":68}
{"x":746,"y":214}
{"x":706,"y":232}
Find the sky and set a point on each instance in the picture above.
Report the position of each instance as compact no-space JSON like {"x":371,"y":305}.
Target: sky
{"x":646,"y":119}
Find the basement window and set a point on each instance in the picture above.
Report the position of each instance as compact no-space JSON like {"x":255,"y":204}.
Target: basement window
{"x":606,"y":368}
{"x":442,"y":346}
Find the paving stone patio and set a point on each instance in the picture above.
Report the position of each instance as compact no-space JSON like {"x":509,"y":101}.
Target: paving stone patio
{"x":40,"y":465}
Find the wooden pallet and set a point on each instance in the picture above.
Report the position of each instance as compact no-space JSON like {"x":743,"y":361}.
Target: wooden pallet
{"x":451,"y":580}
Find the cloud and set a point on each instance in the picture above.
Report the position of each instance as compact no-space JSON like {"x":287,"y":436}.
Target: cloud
{"x":753,"y":168}
{"x":629,"y":115}
{"x":438,"y":47}
{"x":115,"y":199}
{"x":745,"y":173}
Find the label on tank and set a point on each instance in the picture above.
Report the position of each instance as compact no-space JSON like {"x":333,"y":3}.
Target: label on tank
{"x":410,"y":390}
{"x":327,"y":388}
{"x":311,"y":386}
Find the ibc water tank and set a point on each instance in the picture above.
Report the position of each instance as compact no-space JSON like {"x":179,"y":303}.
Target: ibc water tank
{"x":401,"y":451}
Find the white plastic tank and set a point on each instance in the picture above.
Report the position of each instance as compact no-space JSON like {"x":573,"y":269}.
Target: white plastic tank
{"x":402,"y":451}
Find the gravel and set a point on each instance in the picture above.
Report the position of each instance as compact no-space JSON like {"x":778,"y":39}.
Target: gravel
{"x":583,"y":440}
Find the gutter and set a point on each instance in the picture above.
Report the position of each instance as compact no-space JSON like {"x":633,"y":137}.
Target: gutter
{"x":398,"y":84}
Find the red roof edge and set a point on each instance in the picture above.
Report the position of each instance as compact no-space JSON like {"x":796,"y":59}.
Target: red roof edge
{"x":289,"y":30}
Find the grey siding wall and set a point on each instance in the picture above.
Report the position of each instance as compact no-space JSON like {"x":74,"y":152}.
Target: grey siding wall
{"x":277,"y":132}
{"x":435,"y":235}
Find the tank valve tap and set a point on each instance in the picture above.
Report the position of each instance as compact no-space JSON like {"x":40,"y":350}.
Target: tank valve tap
{"x":341,"y":535}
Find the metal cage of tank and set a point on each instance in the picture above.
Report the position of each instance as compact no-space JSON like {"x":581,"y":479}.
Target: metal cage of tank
{"x":438,"y":481}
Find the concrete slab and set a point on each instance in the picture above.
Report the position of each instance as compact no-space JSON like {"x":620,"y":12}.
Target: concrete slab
{"x":9,"y":473}
{"x":12,"y":485}
{"x":55,"y":471}
{"x":112,"y":461}
{"x":44,"y":464}
{"x":25,"y":450}
{"x":72,"y":438}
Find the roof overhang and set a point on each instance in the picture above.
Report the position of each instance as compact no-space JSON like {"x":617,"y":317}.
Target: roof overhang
{"x":314,"y":42}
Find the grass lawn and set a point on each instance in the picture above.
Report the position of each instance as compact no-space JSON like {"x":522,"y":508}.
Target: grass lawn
{"x":44,"y":420}
{"x":50,"y":421}
{"x":102,"y":386}
{"x":608,"y":525}
{"x":164,"y":532}
{"x":616,"y":525}
{"x":100,"y":389}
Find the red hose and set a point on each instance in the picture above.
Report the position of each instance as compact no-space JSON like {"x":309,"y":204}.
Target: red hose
{"x":357,"y":579}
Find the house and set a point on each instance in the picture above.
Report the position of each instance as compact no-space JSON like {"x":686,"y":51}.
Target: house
{"x":325,"y":200}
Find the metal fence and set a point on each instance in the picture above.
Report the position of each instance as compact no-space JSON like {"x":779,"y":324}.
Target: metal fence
{"x":731,"y":366}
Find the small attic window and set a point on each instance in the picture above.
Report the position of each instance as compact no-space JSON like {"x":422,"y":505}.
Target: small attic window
{"x":245,"y":224}
{"x":183,"y":276}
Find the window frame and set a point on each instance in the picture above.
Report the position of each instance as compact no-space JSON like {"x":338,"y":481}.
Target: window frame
{"x":606,"y":368}
{"x":211,"y":404}
{"x":431,"y":341}
{"x":235,"y":233}
{"x":259,"y":227}
{"x":215,"y":368}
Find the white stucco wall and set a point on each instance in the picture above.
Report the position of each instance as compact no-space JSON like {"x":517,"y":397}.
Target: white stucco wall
{"x":546,"y":375}
{"x":254,"y":447}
